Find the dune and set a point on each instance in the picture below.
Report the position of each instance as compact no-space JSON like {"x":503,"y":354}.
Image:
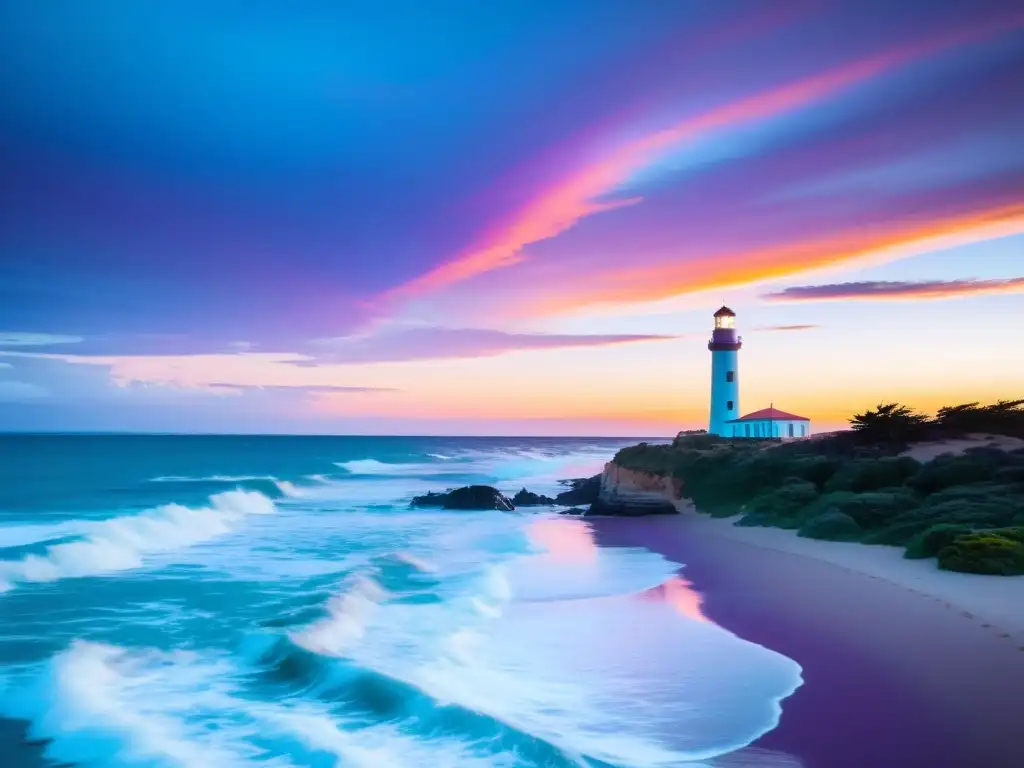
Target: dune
{"x":926,"y":451}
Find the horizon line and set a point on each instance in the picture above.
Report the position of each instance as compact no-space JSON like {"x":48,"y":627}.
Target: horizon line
{"x":140,"y":433}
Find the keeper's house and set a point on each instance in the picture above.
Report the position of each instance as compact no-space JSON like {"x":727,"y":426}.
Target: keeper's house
{"x":768,"y":422}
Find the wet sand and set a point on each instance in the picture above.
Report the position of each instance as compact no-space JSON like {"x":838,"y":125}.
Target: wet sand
{"x":892,"y":678}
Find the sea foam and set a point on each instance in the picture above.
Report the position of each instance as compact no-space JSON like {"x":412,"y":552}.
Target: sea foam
{"x":345,"y":623}
{"x":374,"y":467}
{"x":121,"y":543}
{"x":97,"y":705}
{"x":100,"y":705}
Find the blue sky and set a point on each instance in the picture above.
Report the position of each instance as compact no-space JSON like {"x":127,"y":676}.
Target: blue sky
{"x":467,"y":218}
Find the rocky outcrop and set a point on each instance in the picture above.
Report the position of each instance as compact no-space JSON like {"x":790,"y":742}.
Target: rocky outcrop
{"x":583,"y":490}
{"x":471,"y":497}
{"x":628,"y":492}
{"x":526,"y":498}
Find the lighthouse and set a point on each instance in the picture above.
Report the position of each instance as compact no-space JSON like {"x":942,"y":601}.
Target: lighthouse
{"x":725,"y":375}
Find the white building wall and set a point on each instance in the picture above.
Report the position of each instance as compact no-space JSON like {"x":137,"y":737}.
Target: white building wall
{"x":769,"y":428}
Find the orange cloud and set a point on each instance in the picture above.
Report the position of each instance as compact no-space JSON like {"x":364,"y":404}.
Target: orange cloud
{"x":730,"y":270}
{"x":576,"y":197}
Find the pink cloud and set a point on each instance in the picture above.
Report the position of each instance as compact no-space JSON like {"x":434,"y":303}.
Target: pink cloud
{"x":577,"y":196}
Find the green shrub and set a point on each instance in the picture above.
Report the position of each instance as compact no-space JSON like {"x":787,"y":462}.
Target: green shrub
{"x":997,"y":552}
{"x":786,"y":501}
{"x":895,"y":534}
{"x":976,"y":492}
{"x":995,"y":512}
{"x":870,"y":510}
{"x":872,"y":474}
{"x":1010,"y":474}
{"x":947,"y":470}
{"x":930,"y":541}
{"x":971,"y":511}
{"x":833,"y":526}
{"x":815,"y":469}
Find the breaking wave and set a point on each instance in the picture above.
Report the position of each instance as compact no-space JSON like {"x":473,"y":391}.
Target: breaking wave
{"x":122,"y":543}
{"x":101,"y":705}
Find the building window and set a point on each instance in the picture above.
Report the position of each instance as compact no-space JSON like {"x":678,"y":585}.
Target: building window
{"x":748,"y":429}
{"x":803,"y":430}
{"x":728,"y":405}
{"x":790,"y":430}
{"x":730,"y":375}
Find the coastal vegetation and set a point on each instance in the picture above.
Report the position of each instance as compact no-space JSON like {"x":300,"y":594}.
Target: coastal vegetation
{"x":964,"y":509}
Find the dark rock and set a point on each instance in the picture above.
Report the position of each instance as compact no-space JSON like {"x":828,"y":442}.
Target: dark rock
{"x":526,"y":498}
{"x":431,"y":499}
{"x":576,"y":511}
{"x":467,"y":498}
{"x":583,"y":490}
{"x":633,"y":507}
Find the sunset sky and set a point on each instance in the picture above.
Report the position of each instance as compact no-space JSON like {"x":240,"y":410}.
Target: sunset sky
{"x":406,"y":217}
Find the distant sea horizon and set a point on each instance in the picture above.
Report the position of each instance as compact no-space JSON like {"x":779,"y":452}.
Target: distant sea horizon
{"x":72,"y":433}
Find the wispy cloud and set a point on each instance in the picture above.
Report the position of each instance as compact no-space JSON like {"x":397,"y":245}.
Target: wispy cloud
{"x":585,"y":192}
{"x":897,"y":290}
{"x":402,"y":344}
{"x":27,"y":339}
{"x":310,"y":388}
{"x":324,"y":368}
{"x":786,"y":328}
{"x":864,"y":246}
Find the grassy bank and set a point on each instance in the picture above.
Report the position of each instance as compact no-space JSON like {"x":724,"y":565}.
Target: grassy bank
{"x":965,"y":510}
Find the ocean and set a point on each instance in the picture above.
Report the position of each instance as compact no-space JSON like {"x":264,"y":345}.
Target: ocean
{"x":209,"y":601}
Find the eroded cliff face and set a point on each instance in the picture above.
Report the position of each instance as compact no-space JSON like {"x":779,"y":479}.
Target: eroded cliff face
{"x":630,"y":492}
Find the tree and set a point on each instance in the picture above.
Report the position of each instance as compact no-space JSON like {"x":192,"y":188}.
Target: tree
{"x":890,"y":423}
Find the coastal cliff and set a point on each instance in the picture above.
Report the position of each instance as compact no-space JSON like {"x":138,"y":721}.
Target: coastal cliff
{"x":630,"y":492}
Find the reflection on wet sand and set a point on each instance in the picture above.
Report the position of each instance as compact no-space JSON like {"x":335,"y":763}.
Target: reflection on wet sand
{"x":566,"y":541}
{"x":681,"y":595}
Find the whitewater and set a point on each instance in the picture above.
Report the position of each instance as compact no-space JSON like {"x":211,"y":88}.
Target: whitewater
{"x":274,"y":601}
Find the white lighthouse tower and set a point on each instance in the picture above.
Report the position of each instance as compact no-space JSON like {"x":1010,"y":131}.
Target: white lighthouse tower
{"x":725,"y":375}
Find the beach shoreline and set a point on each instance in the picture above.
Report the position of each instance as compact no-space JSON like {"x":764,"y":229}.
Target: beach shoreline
{"x":994,"y":600}
{"x":893,"y":674}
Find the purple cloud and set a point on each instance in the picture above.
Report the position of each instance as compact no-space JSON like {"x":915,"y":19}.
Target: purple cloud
{"x":786,"y":327}
{"x":311,"y":388}
{"x":436,"y":343}
{"x":892,"y":289}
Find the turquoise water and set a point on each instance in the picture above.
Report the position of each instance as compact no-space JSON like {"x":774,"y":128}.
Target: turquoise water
{"x":274,"y":601}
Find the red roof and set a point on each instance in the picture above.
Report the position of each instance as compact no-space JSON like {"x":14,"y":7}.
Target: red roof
{"x":770,"y":414}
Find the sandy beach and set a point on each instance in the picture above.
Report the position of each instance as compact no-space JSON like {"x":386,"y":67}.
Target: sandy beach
{"x":903,"y":665}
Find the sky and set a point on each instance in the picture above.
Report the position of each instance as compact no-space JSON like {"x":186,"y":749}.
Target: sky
{"x":397,"y":217}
